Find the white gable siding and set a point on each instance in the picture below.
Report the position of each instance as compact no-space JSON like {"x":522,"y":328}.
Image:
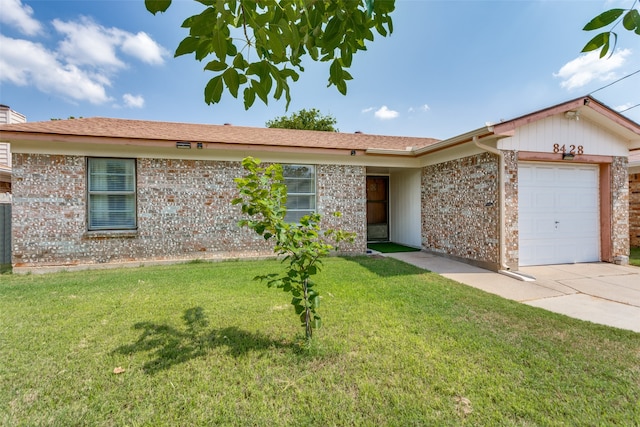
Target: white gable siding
{"x":8,"y":116}
{"x":541,"y":135}
{"x":5,"y":155}
{"x":5,"y":114}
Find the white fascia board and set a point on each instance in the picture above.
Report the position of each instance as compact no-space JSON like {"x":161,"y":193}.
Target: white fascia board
{"x":233,"y":153}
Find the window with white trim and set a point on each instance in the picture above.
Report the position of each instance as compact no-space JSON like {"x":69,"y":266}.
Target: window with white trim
{"x":111,"y":194}
{"x":301,"y":191}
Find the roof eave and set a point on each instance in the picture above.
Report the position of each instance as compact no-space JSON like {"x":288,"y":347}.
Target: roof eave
{"x":483,"y":132}
{"x":591,"y":108}
{"x":390,"y":152}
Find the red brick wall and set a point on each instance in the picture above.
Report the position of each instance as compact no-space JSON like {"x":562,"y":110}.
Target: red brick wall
{"x":619,"y":209}
{"x":343,"y":189}
{"x":461,"y":209}
{"x":634,"y":209}
{"x":512,"y":235}
{"x":184,"y":212}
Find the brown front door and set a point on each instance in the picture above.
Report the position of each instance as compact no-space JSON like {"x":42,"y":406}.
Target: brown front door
{"x":377,"y":208}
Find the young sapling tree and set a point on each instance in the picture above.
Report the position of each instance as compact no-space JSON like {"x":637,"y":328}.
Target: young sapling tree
{"x":263,"y":198}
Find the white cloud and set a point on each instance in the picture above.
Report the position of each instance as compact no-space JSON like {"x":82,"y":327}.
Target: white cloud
{"x":141,"y":46}
{"x":424,"y":108}
{"x":18,"y":15}
{"x":368,"y":110}
{"x":27,"y":63}
{"x":589,"y":67}
{"x":133,"y":101}
{"x":84,"y":62}
{"x":88,"y":43}
{"x":385,"y":113}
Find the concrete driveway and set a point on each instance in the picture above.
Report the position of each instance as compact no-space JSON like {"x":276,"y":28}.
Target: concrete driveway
{"x":602,"y":293}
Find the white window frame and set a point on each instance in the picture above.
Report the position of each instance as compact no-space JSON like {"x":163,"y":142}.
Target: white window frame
{"x":296,"y":195}
{"x":129,"y":194}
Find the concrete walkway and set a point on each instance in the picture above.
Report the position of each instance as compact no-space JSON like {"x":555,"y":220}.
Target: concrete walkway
{"x":602,"y":293}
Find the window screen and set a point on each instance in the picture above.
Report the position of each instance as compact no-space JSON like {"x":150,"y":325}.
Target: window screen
{"x":301,"y":190}
{"x":111,"y":194}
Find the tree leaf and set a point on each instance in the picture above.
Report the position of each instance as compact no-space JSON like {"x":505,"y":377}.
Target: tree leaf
{"x":239,"y":62}
{"x":596,"y":42}
{"x":186,"y":46}
{"x":232,"y":81}
{"x":219,"y":44}
{"x":346,"y":55}
{"x":249,"y":97}
{"x":315,"y":302}
{"x":604,"y":50}
{"x":342,"y":87}
{"x":335,"y":72}
{"x":213,"y":90}
{"x":260,"y":90}
{"x":332,"y":34}
{"x":605,"y":18}
{"x":631,"y":20}
{"x":155,"y":6}
{"x":215,"y":65}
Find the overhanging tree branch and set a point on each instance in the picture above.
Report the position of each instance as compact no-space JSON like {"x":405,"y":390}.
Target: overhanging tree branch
{"x":284,"y":32}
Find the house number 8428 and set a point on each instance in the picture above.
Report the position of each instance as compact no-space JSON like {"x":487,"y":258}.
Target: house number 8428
{"x":557,"y":148}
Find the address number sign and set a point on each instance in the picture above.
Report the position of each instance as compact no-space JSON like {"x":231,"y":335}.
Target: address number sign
{"x":573,"y":149}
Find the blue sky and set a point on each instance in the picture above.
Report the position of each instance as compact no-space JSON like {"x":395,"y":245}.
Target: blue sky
{"x":448,"y":68}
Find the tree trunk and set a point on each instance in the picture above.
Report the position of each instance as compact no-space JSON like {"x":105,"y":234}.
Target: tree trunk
{"x":307,"y":312}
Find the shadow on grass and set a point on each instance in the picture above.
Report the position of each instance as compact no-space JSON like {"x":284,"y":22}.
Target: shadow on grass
{"x":386,"y":267}
{"x":171,"y":346}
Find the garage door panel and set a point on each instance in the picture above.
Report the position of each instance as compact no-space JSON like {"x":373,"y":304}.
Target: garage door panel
{"x":559,"y":214}
{"x":576,"y":200}
{"x":554,"y":251}
{"x":532,"y":226}
{"x":543,"y":253}
{"x":544,"y":176}
{"x":543,"y":198}
{"x":537,"y":227}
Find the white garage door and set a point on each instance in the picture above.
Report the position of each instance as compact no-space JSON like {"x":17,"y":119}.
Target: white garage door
{"x":558,"y":213}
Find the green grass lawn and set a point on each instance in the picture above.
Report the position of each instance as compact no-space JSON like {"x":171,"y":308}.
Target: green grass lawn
{"x":634,"y":258}
{"x":203,"y":344}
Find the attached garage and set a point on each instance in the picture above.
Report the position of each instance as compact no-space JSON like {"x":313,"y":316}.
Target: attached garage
{"x":550,"y":187}
{"x":559,"y":213}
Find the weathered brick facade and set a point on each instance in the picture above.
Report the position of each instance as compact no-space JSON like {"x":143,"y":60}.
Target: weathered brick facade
{"x":184,"y":211}
{"x":460,"y":209}
{"x":634,"y":209}
{"x":343,"y":189}
{"x":620,"y":210}
{"x":460,"y":202}
{"x":511,"y":209}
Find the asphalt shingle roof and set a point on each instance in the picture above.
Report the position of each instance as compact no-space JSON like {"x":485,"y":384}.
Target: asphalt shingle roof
{"x":226,"y":134}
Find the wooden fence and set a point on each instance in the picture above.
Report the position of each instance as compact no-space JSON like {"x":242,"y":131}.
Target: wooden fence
{"x":5,"y":237}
